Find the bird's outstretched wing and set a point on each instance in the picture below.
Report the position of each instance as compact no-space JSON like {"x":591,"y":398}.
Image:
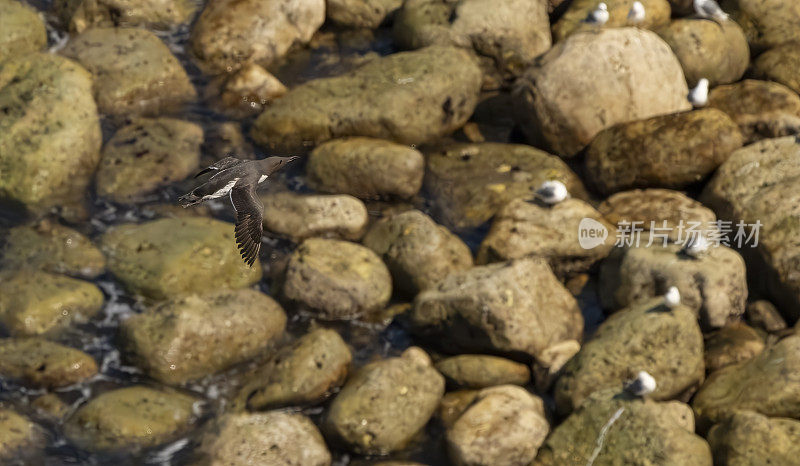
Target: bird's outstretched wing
{"x":222,"y":164}
{"x":249,"y":215}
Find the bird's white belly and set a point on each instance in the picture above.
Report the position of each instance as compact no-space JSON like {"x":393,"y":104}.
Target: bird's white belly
{"x":222,"y":191}
{"x":263,"y":177}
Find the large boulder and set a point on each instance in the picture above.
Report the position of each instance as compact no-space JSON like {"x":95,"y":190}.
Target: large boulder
{"x":298,"y":216}
{"x":522,"y":229}
{"x":732,"y":344}
{"x":780,"y":64}
{"x":134,"y":71}
{"x":245,"y":439}
{"x":612,"y":428}
{"x":79,"y":15}
{"x":657,"y":14}
{"x":174,"y":256}
{"x":762,"y":109}
{"x":482,"y":371}
{"x":666,"y":343}
{"x":669,"y":151}
{"x":361,"y":13}
{"x":761,"y":183}
{"x":768,"y":383}
{"x":337,"y":279}
{"x":747,"y":438}
{"x":766,"y":23}
{"x":706,"y":49}
{"x":132,"y":417}
{"x":21,"y":29}
{"x":35,"y":303}
{"x":634,"y":76}
{"x":190,"y":337}
{"x":409,"y":97}
{"x":516,"y":306}
{"x":510,"y":33}
{"x":366,"y":168}
{"x":418,"y":252}
{"x":305,"y":372}
{"x":231,"y":33}
{"x":469,"y":183}
{"x":49,"y":134}
{"x":42,"y":363}
{"x":386,"y":403}
{"x":713,"y":286}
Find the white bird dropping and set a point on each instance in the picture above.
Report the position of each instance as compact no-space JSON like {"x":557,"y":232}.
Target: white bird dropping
{"x":709,"y":9}
{"x":643,"y":384}
{"x":599,"y":16}
{"x":672,"y":298}
{"x":696,"y":246}
{"x":636,"y":14}
{"x":552,"y":192}
{"x":698,"y":96}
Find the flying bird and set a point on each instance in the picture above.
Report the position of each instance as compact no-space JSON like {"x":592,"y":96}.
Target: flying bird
{"x":709,"y":9}
{"x":239,"y":179}
{"x":698,"y":95}
{"x":636,"y":14}
{"x":552,"y":192}
{"x":599,"y":16}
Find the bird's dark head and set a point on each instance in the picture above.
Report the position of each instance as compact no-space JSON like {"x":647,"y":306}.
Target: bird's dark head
{"x":273,"y":164}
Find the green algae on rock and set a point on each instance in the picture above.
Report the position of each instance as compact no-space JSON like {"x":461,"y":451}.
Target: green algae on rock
{"x":130,"y":418}
{"x":35,"y":303}
{"x":134,"y":71}
{"x":146,"y":155}
{"x":197,"y":335}
{"x":79,"y":15}
{"x":177,"y":256}
{"x":481,"y":371}
{"x":299,"y":217}
{"x":43,"y":363}
{"x":22,"y":31}
{"x":50,"y":132}
{"x":409,"y":97}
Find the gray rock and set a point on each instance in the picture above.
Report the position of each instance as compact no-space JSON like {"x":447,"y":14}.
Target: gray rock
{"x":188,"y":338}
{"x":274,"y":437}
{"x":304,"y":216}
{"x":231,"y":33}
{"x":482,"y":371}
{"x":559,"y":104}
{"x":361,"y":13}
{"x":21,"y":30}
{"x":418,"y":252}
{"x":43,"y":363}
{"x":78,"y":15}
{"x":366,"y":168}
{"x":385,"y":403}
{"x":409,"y":97}
{"x":516,"y":306}
{"x":134,"y":72}
{"x":148,"y":154}
{"x":730,"y":345}
{"x":749,"y":439}
{"x":657,"y":14}
{"x":337,"y":279}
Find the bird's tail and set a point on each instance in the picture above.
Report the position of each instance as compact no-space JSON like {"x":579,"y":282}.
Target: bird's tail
{"x":189,"y":199}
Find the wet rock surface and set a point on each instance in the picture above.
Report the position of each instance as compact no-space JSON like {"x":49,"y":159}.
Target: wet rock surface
{"x":304,"y":216}
{"x":23,"y":31}
{"x":762,"y":109}
{"x":43,"y":363}
{"x":481,"y":371}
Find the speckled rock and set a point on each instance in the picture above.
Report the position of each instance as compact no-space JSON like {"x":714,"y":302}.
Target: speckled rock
{"x":78,"y":15}
{"x":50,"y":133}
{"x":337,"y":279}
{"x":611,"y":428}
{"x":34,"y":303}
{"x":361,"y":13}
{"x":231,"y":33}
{"x":132,"y":417}
{"x":634,"y":76}
{"x":750,"y":439}
{"x":175,"y":256}
{"x":366,"y":168}
{"x":780,"y":64}
{"x":628,"y":342}
{"x":469,"y":183}
{"x":760,"y":183}
{"x":146,"y":155}
{"x":21,"y":29}
{"x":43,"y":363}
{"x":766,"y":23}
{"x":385,"y":403}
{"x":768,"y":383}
{"x":763,"y":314}
{"x":52,"y":247}
{"x":408,"y":97}
{"x":504,"y":425}
{"x":669,"y":151}
{"x":715,"y":51}
{"x":654,"y":207}
{"x":245,"y":92}
{"x":303,"y":373}
{"x":732,"y":344}
{"x":51,"y":406}
{"x":657,"y":14}
{"x":274,"y":437}
{"x":523,"y":228}
{"x":762,"y":109}
{"x":481,"y":371}
{"x":418,"y":252}
{"x":298,"y":216}
{"x":516,"y":306}
{"x":194,"y":336}
{"x":134,"y":72}
{"x":19,"y":435}
{"x":713,"y":286}
{"x":510,"y":33}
